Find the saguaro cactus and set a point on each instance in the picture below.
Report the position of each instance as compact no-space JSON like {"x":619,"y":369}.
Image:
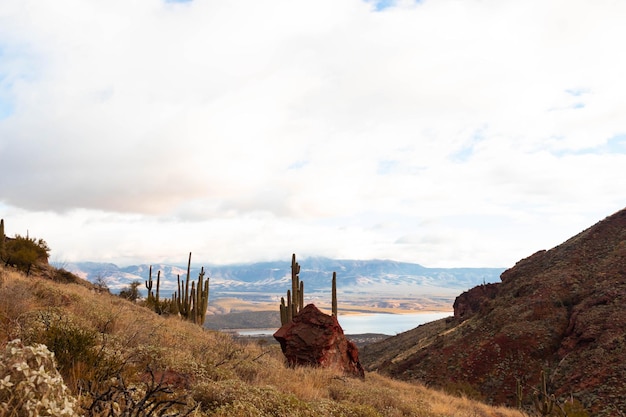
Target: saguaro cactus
{"x":153,"y":300}
{"x":544,"y":402}
{"x":192,"y":305}
{"x":295,"y":296}
{"x":1,"y":238}
{"x":334,"y":294}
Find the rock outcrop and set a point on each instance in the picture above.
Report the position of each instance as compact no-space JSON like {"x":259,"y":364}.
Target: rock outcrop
{"x":470,"y":302}
{"x":314,"y":338}
{"x":561,"y":311}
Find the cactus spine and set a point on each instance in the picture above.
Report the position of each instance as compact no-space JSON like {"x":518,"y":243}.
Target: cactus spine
{"x":192,"y":305}
{"x":334,"y":294}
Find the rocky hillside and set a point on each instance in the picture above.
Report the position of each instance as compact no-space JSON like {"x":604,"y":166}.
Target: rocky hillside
{"x":562,"y":311}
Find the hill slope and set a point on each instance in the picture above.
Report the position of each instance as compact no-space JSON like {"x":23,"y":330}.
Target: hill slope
{"x":110,"y":350}
{"x":562,"y":310}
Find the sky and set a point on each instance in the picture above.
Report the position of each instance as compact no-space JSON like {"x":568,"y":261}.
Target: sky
{"x":447,"y":133}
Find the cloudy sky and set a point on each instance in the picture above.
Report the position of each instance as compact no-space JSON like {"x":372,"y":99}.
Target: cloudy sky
{"x":442,"y":132}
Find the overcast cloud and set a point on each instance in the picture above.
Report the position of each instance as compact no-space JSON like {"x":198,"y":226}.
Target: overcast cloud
{"x":447,"y":133}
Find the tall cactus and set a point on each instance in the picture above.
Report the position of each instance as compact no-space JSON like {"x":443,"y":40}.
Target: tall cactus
{"x":153,"y":300}
{"x":544,"y":402}
{"x":192,"y":305}
{"x":334,"y":294}
{"x":295,"y":296}
{"x":148,"y":285}
{"x":296,"y":287}
{"x":1,"y":238}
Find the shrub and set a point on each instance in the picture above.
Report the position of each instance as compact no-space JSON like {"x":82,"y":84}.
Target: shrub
{"x":24,"y":252}
{"x":30,"y":384}
{"x":72,"y":344}
{"x":131,"y":292}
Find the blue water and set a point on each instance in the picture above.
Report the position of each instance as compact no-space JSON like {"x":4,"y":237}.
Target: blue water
{"x":387,"y":323}
{"x":390,"y":324}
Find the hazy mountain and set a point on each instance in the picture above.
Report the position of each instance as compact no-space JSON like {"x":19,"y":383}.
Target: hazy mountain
{"x":263,"y":279}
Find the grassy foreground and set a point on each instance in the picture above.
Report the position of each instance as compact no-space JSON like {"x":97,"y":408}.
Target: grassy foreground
{"x":117,"y":358}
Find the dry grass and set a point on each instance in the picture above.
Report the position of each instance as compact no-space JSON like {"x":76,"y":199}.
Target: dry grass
{"x":207,"y":371}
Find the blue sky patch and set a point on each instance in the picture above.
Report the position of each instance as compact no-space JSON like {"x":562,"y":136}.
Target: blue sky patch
{"x":6,"y":109}
{"x":577,"y":92}
{"x":380,"y":5}
{"x":383,"y":4}
{"x":614,"y":145}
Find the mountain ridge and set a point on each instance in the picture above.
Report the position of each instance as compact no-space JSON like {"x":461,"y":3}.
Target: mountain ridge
{"x":559,"y":311}
{"x":355,"y":277}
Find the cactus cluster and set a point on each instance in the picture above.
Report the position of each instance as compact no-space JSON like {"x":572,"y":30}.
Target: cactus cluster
{"x":192,"y":305}
{"x":544,"y":402}
{"x":295,"y":296}
{"x":153,"y":299}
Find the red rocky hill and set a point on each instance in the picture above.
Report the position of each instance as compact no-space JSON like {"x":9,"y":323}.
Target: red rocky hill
{"x":562,"y":311}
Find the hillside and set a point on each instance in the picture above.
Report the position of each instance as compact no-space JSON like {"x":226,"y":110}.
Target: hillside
{"x":115,"y":357}
{"x":562,"y":311}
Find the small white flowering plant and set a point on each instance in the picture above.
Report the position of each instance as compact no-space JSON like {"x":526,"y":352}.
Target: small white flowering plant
{"x":30,"y":384}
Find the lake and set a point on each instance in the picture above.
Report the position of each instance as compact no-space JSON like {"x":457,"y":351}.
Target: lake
{"x":383,"y":323}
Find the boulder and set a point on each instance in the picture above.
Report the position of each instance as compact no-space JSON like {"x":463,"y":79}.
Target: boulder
{"x":314,"y":338}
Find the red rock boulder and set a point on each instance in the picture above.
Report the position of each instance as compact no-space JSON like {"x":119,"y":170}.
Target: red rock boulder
{"x":314,"y":338}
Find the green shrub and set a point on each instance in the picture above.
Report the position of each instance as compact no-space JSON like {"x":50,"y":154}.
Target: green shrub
{"x":24,"y":252}
{"x":71,"y":343}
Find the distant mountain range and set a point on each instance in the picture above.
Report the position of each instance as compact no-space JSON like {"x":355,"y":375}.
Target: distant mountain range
{"x":266,"y":280}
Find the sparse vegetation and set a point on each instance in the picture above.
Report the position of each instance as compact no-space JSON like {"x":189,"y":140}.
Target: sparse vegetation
{"x":191,"y":305}
{"x":295,"y":296}
{"x":117,"y":357}
{"x":24,"y":252}
{"x":131,"y":292}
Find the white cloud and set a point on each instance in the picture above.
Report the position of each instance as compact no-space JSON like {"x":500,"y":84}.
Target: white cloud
{"x":252,"y":130}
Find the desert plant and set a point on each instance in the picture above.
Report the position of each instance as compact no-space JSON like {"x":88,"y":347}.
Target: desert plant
{"x":100,"y":285}
{"x":295,"y":296}
{"x":543,"y":401}
{"x":148,"y":283}
{"x":1,"y":238}
{"x":131,"y":292}
{"x":153,"y":301}
{"x":151,"y":398}
{"x":30,"y":384}
{"x":24,"y":252}
{"x":72,"y":343}
{"x":334,"y":294}
{"x":192,"y":305}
